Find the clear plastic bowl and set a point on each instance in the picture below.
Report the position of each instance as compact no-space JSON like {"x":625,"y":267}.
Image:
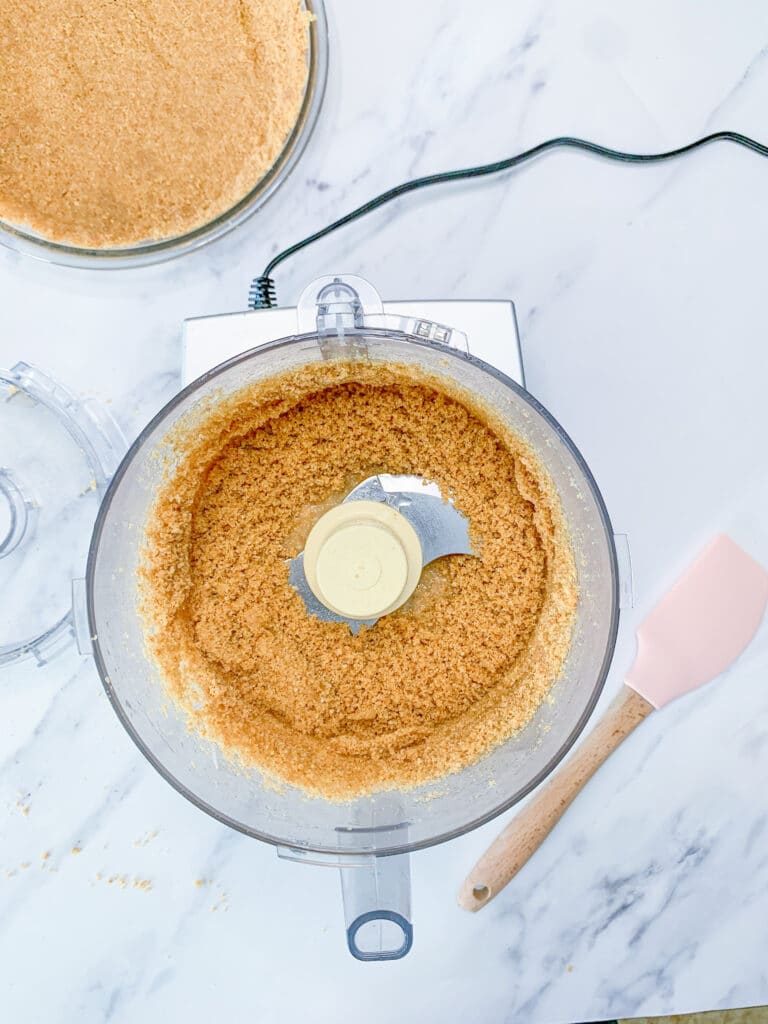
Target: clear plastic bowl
{"x":369,"y":839}
{"x":14,"y":237}
{"x":403,"y":820}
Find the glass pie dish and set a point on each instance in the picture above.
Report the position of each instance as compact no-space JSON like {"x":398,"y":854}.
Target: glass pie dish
{"x":23,"y":240}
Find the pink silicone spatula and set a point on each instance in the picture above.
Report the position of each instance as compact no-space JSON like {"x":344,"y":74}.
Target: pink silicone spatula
{"x":695,"y":632}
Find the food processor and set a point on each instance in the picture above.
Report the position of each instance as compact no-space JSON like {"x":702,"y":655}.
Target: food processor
{"x":337,"y":318}
{"x":156,"y":250}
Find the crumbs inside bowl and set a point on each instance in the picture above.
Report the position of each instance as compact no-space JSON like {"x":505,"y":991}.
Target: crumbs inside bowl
{"x":428,"y":689}
{"x":122,"y":123}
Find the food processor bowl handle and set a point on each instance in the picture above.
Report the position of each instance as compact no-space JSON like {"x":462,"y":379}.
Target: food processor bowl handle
{"x":377,"y":907}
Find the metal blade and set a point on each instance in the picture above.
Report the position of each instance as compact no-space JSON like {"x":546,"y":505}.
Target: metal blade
{"x":441,"y":529}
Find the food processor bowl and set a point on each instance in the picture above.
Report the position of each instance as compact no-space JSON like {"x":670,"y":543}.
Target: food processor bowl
{"x":342,"y":318}
{"x":15,"y":236}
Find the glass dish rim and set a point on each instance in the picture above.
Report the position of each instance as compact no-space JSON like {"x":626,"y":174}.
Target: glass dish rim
{"x":407,"y":847}
{"x":144,"y":254}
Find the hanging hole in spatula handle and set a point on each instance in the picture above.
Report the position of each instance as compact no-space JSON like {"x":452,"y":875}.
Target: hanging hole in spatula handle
{"x":481,"y":893}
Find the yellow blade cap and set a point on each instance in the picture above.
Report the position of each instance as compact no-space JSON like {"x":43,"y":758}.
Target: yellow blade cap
{"x":362,"y":559}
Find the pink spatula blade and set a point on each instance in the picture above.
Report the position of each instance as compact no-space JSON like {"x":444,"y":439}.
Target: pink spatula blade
{"x":702,"y":624}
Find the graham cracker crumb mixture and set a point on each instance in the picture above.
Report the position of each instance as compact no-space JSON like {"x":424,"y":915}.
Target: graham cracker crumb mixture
{"x":425,"y":691}
{"x":128,"y":120}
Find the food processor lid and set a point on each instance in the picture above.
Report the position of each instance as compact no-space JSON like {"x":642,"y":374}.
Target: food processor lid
{"x":57,"y":454}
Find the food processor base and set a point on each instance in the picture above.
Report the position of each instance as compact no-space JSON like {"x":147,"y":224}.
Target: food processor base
{"x":490,"y":325}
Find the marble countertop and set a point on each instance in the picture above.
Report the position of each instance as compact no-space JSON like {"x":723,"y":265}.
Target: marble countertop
{"x":641,"y":299}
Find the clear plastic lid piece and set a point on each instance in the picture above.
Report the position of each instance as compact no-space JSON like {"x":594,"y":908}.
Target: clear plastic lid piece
{"x":56,"y":457}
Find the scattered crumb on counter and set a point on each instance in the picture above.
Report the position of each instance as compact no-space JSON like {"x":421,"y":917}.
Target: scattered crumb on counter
{"x":45,"y":855}
{"x":125,"y":881}
{"x":221,"y":901}
{"x":76,"y":849}
{"x":145,"y":839}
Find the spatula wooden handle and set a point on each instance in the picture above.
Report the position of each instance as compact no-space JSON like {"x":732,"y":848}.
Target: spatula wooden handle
{"x":528,"y":830}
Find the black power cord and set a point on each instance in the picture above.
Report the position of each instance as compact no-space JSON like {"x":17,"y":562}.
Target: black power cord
{"x":263,"y":295}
